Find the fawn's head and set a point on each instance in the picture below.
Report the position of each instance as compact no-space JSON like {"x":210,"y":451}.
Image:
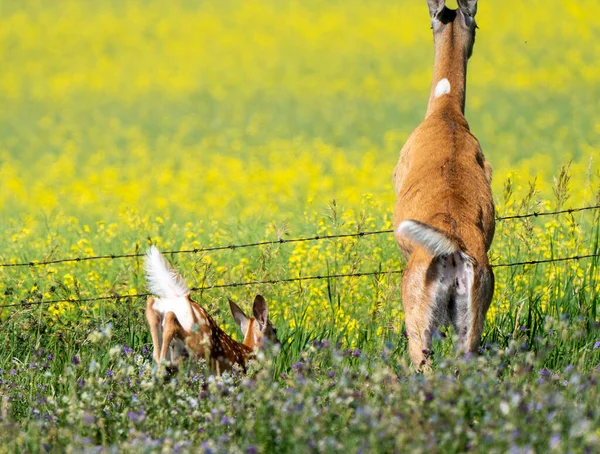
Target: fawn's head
{"x":256,"y":330}
{"x":457,"y":25}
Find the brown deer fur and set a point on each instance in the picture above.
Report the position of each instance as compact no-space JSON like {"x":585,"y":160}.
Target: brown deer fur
{"x":444,"y":214}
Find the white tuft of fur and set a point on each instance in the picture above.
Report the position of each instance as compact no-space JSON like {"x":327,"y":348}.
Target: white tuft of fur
{"x":163,"y":280}
{"x":434,"y":241}
{"x":442,"y":87}
{"x":170,"y":287}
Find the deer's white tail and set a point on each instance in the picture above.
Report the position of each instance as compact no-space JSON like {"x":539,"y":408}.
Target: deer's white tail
{"x":436,"y":242}
{"x":163,"y":280}
{"x":170,"y":287}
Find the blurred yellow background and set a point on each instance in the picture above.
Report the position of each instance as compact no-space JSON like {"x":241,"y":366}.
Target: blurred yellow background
{"x":255,"y":108}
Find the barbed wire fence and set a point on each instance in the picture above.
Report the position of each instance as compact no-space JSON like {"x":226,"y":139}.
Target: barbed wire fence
{"x":118,"y":297}
{"x":35,"y":263}
{"x":281,"y":281}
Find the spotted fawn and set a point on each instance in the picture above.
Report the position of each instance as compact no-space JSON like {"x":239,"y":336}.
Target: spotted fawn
{"x":179,"y":326}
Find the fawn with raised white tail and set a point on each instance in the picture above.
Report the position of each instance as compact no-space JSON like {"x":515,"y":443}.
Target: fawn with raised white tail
{"x":444,"y":214}
{"x":177,"y":324}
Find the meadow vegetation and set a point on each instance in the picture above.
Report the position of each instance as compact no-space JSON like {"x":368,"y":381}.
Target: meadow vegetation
{"x":200,"y":124}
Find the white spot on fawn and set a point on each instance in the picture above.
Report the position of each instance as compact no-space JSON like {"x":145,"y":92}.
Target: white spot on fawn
{"x":442,"y":88}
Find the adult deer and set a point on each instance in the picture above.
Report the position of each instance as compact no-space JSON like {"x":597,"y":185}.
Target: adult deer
{"x":177,"y":323}
{"x":444,"y":214}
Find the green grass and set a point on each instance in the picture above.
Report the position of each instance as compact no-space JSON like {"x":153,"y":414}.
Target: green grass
{"x":538,"y":369}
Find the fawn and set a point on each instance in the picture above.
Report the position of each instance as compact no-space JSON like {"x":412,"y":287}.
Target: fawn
{"x":179,"y":325}
{"x":444,"y":214}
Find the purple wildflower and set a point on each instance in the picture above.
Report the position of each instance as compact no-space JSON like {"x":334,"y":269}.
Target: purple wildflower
{"x":13,"y":372}
{"x":50,"y":357}
{"x":180,"y":445}
{"x":226,"y":421}
{"x":356,"y":353}
{"x":127,"y":350}
{"x":597,"y":345}
{"x":545,"y":373}
{"x":75,"y":360}
{"x":136,"y":417}
{"x":109,"y":373}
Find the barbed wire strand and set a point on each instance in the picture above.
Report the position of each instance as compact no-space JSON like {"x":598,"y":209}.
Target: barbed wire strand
{"x":547,"y":213}
{"x":280,"y":281}
{"x":198,"y":250}
{"x":35,"y":263}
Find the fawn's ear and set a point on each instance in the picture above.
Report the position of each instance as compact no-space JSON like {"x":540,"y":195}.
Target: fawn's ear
{"x":260,"y":310}
{"x":239,"y":316}
{"x":436,"y":7}
{"x":468,"y":7}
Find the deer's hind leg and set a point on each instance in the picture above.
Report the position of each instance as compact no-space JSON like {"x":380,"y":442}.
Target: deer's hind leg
{"x":480,"y":297}
{"x":153,"y":319}
{"x":428,"y":298}
{"x":171,"y":329}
